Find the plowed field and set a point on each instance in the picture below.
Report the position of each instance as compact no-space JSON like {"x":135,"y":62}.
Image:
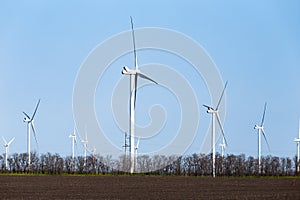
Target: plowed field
{"x":146,"y":187}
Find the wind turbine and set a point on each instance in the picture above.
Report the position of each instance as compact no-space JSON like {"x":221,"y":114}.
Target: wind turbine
{"x":85,"y":142}
{"x":136,"y":152}
{"x":260,"y":129}
{"x":126,"y":145}
{"x":223,"y":146}
{"x":215,"y":114}
{"x":93,"y":151}
{"x":29,"y":121}
{"x":73,"y":137}
{"x":134,"y":74}
{"x":297,"y":140}
{"x":6,"y":145}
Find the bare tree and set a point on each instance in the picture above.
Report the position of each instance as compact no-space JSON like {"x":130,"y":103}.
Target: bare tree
{"x":34,"y":162}
{"x":23,"y":161}
{"x":80,"y":164}
{"x":289,"y":165}
{"x":68,"y":164}
{"x":189,"y":165}
{"x":250,"y":166}
{"x":296,"y":165}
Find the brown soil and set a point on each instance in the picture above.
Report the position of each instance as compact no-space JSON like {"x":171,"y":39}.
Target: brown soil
{"x":146,"y":187}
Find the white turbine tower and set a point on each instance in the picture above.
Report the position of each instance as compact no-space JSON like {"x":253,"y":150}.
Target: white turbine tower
{"x":30,"y":123}
{"x":93,"y":151}
{"x":6,"y":145}
{"x":297,"y":140}
{"x":85,"y":142}
{"x":215,"y":114}
{"x":134,"y":74}
{"x":260,"y":129}
{"x":73,"y":137}
{"x":136,"y":152}
{"x":223,"y":147}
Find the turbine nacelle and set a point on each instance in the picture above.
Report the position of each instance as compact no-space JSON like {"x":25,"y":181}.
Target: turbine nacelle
{"x":72,"y":136}
{"x":222,"y":145}
{"x":210,"y":109}
{"x":26,"y":120}
{"x":297,"y":140}
{"x":6,"y":144}
{"x":128,"y":71}
{"x":84,"y":141}
{"x":258,"y":127}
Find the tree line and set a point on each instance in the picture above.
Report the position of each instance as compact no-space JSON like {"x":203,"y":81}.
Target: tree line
{"x":189,"y":165}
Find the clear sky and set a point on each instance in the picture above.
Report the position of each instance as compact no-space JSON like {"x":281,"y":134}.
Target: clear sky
{"x":254,"y":44}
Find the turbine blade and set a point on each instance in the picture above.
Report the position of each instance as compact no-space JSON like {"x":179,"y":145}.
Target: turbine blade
{"x":222,"y":129}
{"x":223,"y":141}
{"x":33,"y":130}
{"x":263,"y":117}
{"x":221,"y":96}
{"x":4,"y":140}
{"x":146,"y":77}
{"x":35,"y":109}
{"x":208,"y":107}
{"x":26,"y":115}
{"x":263,"y":132}
{"x":135,"y":88}
{"x":74,"y":134}
{"x":86,"y":139}
{"x":138,"y":142}
{"x":93,"y":151}
{"x":10,"y":141}
{"x":133,"y":40}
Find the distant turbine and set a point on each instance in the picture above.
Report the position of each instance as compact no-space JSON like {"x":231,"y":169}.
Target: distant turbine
{"x":30,"y":123}
{"x":85,"y":142}
{"x":134,"y":74}
{"x":136,"y":152}
{"x":297,"y":140}
{"x":261,"y":130}
{"x":215,"y":114}
{"x":6,"y":145}
{"x":73,"y":137}
{"x":223,"y":146}
{"x":93,"y":151}
{"x":126,"y":145}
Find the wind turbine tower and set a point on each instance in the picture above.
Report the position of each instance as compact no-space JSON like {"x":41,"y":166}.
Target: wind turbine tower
{"x":73,"y":137}
{"x":297,"y":140}
{"x":125,"y":143}
{"x":85,"y":142}
{"x":6,"y":145}
{"x":134,"y":74}
{"x":125,"y":148}
{"x":223,"y":146}
{"x":29,"y":121}
{"x":93,"y":151}
{"x":215,"y":115}
{"x":136,"y":152}
{"x":260,"y":129}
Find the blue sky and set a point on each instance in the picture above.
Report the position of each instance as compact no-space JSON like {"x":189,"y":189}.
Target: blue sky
{"x":254,"y":44}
